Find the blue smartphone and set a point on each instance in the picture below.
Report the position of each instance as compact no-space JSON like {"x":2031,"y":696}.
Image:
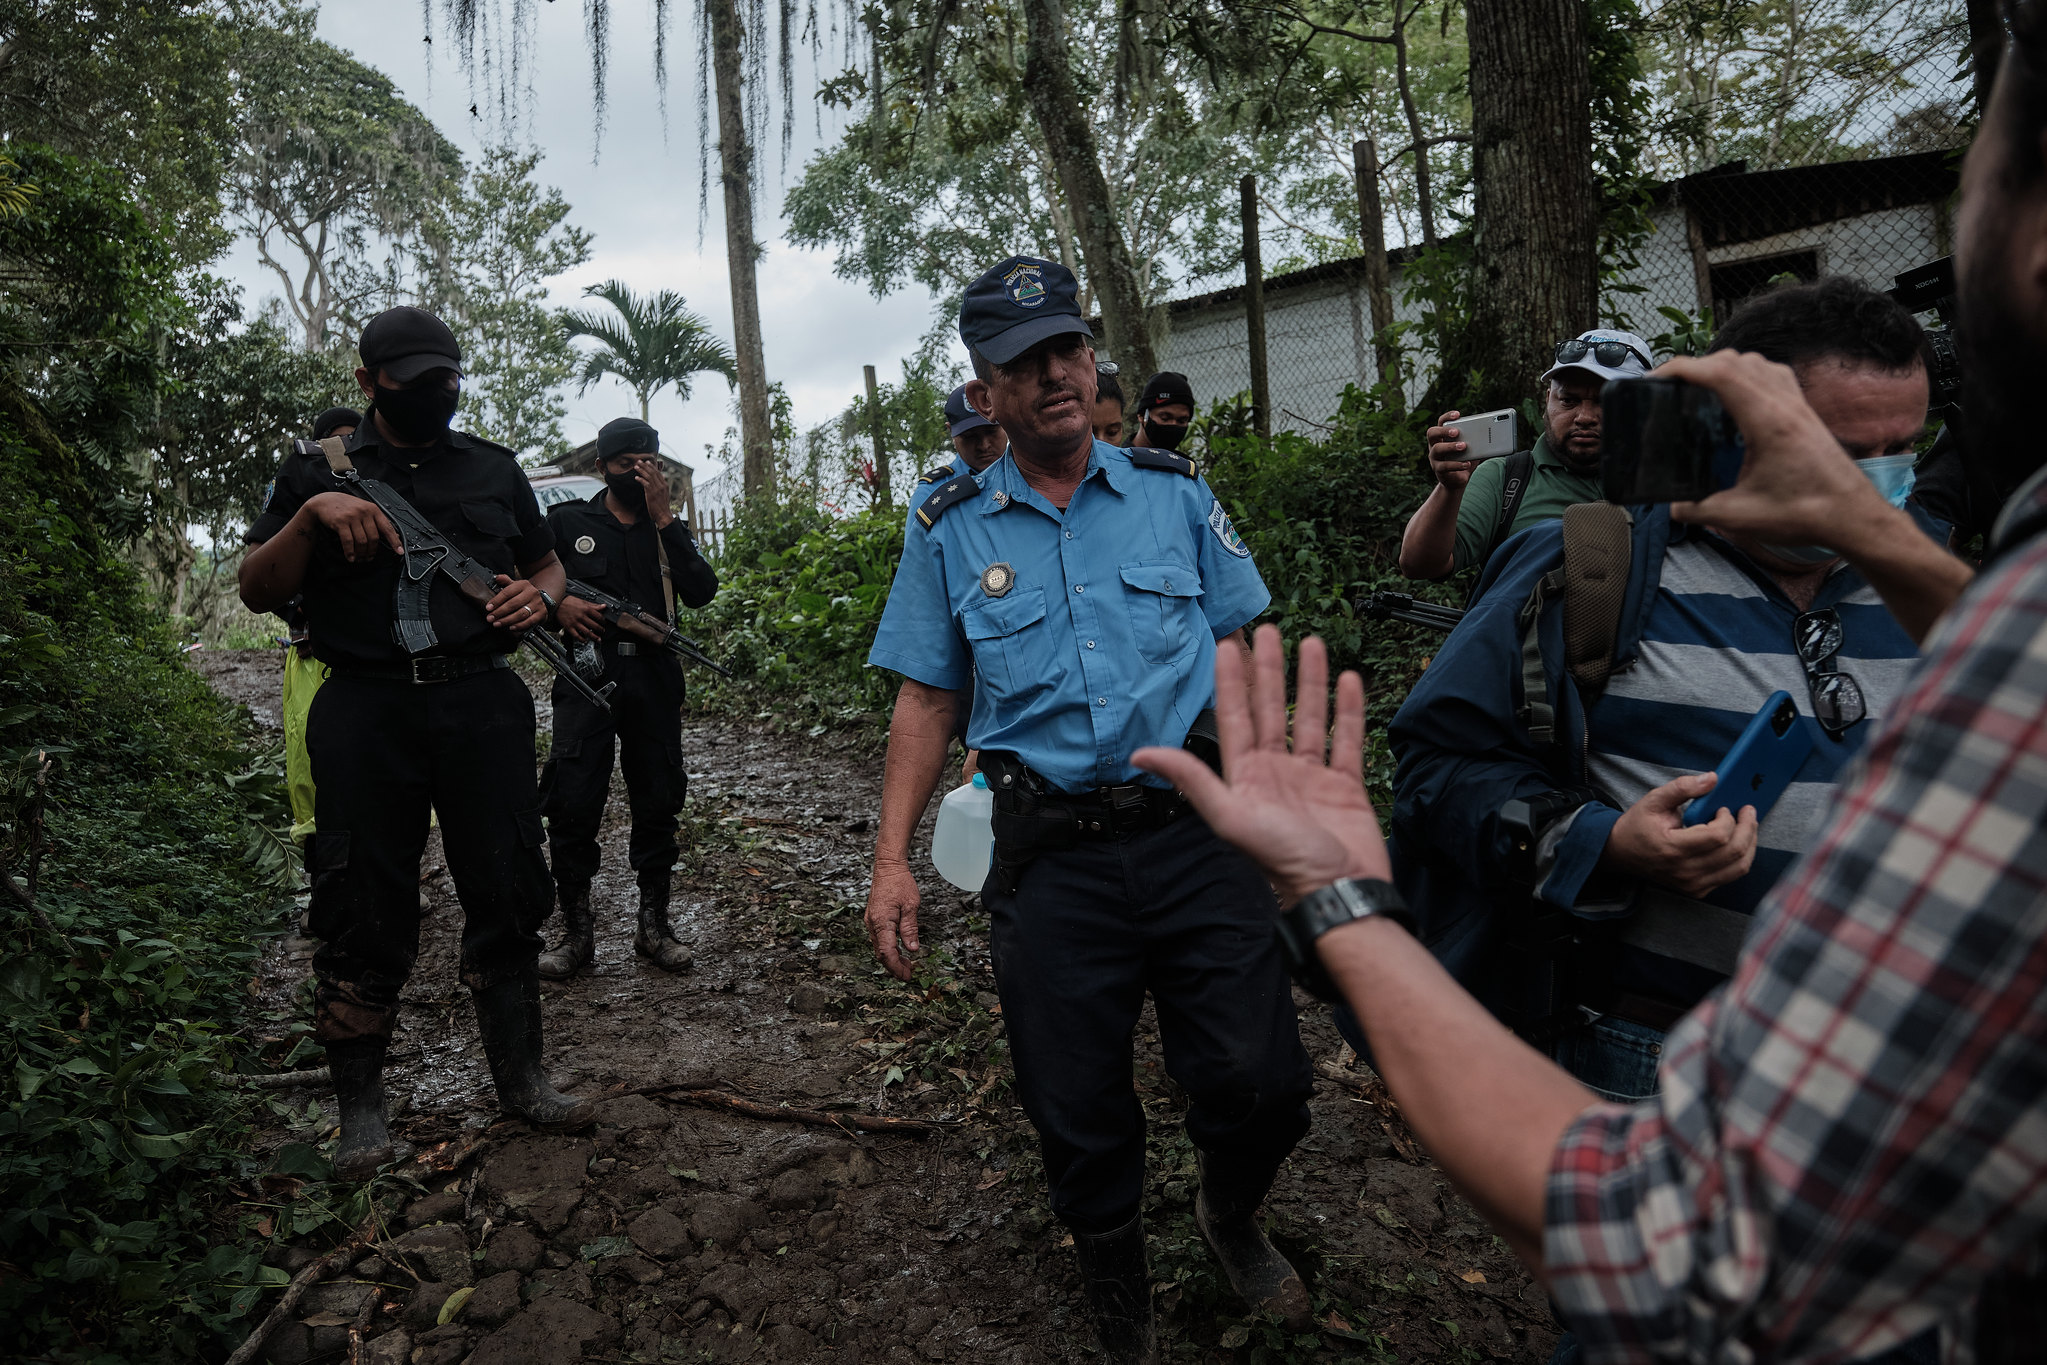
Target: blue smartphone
{"x":1761,"y":763}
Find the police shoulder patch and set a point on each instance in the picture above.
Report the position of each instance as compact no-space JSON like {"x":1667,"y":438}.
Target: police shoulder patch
{"x":1226,"y":531}
{"x":956,"y":490}
{"x":1148,"y":457}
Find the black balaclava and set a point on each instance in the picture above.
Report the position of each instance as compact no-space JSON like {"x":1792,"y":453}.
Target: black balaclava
{"x":626,"y":436}
{"x":417,"y":416}
{"x":1166,"y":386}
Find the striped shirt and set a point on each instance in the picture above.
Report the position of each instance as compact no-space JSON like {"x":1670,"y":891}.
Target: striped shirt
{"x":1717,"y":643}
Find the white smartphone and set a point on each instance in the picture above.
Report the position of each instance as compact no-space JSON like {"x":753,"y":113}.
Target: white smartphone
{"x":1487,"y":434}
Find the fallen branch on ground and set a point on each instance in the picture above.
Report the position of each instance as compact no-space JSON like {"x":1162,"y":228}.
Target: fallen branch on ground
{"x":340,"y":1258}
{"x":706,"y":1094}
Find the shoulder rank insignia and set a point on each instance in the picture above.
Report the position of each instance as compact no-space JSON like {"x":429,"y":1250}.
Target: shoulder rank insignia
{"x":943,"y":471}
{"x":1148,"y":457}
{"x":958,"y":489}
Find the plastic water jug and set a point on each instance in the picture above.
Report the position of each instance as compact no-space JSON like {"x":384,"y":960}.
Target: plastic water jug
{"x":963,"y":844}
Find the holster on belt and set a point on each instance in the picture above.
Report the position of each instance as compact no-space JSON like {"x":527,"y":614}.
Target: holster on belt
{"x":1032,"y":817}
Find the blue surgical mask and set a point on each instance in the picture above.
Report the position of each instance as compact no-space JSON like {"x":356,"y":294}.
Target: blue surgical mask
{"x":1893,"y":475}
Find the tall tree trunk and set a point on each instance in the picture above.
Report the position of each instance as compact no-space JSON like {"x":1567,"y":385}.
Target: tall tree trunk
{"x":1535,"y":202}
{"x":735,"y":171}
{"x":1062,"y":117}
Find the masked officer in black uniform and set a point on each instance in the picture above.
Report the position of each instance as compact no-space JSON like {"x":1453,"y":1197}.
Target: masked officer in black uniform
{"x":1071,"y":598}
{"x":394,"y":737}
{"x":626,"y":541}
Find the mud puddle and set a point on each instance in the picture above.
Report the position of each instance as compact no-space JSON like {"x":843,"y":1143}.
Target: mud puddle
{"x":676,"y":1232}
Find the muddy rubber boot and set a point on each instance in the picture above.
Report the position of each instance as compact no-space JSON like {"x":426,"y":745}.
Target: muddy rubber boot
{"x":655,"y":939}
{"x":508,"y":1016}
{"x":358,"y":1072}
{"x":1117,"y":1281}
{"x":1226,"y":1211}
{"x":578,"y":945}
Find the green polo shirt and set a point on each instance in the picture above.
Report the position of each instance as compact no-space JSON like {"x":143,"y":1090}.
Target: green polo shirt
{"x":1552,"y":486}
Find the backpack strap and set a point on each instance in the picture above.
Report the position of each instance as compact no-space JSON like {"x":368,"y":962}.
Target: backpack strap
{"x":1599,"y":543}
{"x":1516,"y":473}
{"x":1592,"y":581}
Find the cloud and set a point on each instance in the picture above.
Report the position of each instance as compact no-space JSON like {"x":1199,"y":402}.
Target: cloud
{"x":638,"y":194}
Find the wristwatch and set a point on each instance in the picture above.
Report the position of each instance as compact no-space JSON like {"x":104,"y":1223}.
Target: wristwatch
{"x":1316,"y":913}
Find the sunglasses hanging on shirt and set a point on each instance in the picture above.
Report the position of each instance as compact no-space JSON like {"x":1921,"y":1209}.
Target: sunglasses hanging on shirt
{"x":1837,"y":702}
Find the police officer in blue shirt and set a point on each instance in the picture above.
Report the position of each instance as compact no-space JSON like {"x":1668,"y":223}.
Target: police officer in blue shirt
{"x":1081,"y":591}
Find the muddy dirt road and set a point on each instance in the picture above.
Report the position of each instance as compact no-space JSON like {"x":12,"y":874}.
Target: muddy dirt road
{"x":679,"y":1232}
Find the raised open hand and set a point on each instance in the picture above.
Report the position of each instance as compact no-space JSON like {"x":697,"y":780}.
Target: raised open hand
{"x":1302,"y":816}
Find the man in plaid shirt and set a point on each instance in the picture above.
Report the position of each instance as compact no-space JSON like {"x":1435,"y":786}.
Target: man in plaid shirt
{"x":1851,"y":1142}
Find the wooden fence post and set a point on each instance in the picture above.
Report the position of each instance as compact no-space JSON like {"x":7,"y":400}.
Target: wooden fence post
{"x":1254,"y":310}
{"x":1378,"y":273}
{"x":881,"y":489}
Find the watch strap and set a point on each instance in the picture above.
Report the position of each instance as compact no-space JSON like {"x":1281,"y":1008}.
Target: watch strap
{"x":1325,"y":908}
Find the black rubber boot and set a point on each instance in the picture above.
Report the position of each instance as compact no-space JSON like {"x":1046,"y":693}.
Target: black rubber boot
{"x":1117,"y":1281}
{"x":578,"y":945}
{"x":1226,"y":1211}
{"x":655,"y":939}
{"x":358,"y":1072}
{"x":508,"y":1016}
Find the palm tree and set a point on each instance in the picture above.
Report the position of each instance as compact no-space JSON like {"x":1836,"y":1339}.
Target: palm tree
{"x":653,"y":343}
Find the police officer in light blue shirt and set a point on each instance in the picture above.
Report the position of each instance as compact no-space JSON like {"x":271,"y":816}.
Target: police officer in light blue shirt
{"x":1074,"y":595}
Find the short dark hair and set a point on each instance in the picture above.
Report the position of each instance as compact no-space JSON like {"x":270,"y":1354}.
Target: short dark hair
{"x":1107,"y":387}
{"x":984,"y":370}
{"x":1831,"y":319}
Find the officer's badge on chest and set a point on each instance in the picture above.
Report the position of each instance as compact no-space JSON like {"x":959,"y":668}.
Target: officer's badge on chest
{"x":997,"y":579}
{"x":585,"y":544}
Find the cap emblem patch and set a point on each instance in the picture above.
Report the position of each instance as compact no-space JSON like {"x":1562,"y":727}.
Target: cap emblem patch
{"x":1026,"y":286}
{"x":585,"y":544}
{"x":997,"y":579}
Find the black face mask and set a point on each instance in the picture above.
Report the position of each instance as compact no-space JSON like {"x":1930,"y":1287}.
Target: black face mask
{"x":418,"y":416}
{"x":627,"y":488}
{"x":1165,"y":435}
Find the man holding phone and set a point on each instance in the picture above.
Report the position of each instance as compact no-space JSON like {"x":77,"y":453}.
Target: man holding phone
{"x":1632,"y":913}
{"x":1478,"y":503}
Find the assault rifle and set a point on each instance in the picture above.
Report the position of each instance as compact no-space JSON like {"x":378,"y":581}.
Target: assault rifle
{"x":427,"y":552}
{"x":1403,"y":606}
{"x":634,"y":620}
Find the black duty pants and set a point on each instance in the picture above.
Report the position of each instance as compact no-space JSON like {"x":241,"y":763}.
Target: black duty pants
{"x":646,"y":722}
{"x":1087,"y":932}
{"x":385,"y":754}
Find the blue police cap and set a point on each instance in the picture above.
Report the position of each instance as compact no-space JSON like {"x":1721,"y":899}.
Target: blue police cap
{"x":960,"y":416}
{"x":1016,"y":305}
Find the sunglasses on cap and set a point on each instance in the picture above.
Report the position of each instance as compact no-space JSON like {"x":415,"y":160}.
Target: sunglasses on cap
{"x":1611,"y":354}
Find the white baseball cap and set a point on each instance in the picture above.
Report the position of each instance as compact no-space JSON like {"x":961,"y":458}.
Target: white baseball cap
{"x":1605,"y":352}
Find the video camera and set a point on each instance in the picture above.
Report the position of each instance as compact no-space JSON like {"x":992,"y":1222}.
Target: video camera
{"x":1930,"y":288}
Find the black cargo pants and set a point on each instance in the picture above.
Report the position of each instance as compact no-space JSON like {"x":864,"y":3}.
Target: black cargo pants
{"x":645,"y":723}
{"x":1083,"y":934}
{"x":384,"y":755}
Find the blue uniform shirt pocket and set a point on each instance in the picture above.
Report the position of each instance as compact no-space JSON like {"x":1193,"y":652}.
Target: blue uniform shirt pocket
{"x":1164,"y":608}
{"x":1010,"y":657}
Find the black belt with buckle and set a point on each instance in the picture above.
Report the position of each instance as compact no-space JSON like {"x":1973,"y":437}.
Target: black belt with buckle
{"x":1099,"y":813}
{"x":430,"y":668}
{"x":623,"y":648}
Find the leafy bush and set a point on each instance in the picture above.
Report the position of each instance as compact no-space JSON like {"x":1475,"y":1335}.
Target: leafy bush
{"x":801,"y":597}
{"x":115,"y":1137}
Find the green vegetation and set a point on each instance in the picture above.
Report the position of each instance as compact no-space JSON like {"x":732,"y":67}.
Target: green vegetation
{"x":145,"y":855}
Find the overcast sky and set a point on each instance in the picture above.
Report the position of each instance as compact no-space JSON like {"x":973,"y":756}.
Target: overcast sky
{"x":639,"y":201}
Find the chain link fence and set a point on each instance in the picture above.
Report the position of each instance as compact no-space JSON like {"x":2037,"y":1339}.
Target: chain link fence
{"x":1796,"y":139}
